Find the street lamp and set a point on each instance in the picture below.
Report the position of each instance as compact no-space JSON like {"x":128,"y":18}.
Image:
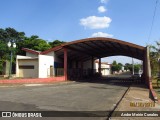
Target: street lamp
{"x":11,"y":46}
{"x":159,"y":59}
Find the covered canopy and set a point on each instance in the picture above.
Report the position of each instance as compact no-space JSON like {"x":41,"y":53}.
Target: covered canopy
{"x":99,"y":47}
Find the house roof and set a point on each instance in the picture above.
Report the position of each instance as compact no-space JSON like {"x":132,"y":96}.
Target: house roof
{"x":31,"y":51}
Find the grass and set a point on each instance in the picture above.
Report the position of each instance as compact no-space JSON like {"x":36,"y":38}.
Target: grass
{"x":156,"y":86}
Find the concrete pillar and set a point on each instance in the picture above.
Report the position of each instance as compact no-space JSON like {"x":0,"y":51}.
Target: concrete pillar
{"x":149,"y":80}
{"x":147,"y":69}
{"x":65,"y":63}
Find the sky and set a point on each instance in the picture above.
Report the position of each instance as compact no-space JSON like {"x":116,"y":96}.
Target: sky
{"x":69,"y":20}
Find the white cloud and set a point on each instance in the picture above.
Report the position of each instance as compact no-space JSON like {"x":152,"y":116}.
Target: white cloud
{"x":94,"y":22}
{"x":101,"y":34}
{"x":104,"y":1}
{"x":101,"y":9}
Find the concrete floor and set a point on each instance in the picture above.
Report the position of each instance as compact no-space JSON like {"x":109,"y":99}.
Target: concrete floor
{"x":73,"y":96}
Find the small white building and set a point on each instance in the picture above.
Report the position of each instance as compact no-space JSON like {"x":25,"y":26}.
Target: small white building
{"x":105,"y":68}
{"x":38,"y":65}
{"x":35,"y":65}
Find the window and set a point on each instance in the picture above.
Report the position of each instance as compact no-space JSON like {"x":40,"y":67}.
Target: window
{"x":26,"y":66}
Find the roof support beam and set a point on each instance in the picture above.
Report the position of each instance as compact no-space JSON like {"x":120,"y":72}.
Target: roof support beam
{"x":91,"y":48}
{"x":120,"y":46}
{"x":129,"y":49}
{"x":109,"y":48}
{"x":113,"y":45}
{"x":99,"y":47}
{"x":78,"y":50}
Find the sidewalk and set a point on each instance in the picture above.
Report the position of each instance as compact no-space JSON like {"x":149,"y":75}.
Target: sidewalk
{"x":137,"y":98}
{"x":32,"y":80}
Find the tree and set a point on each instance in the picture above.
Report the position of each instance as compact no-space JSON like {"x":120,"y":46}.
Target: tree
{"x":33,"y":42}
{"x":116,"y":67}
{"x":137,"y":67}
{"x":6,"y":35}
{"x":114,"y":63}
{"x":126,"y":66}
{"x":154,"y":56}
{"x":56,"y":43}
{"x":129,"y":67}
{"x":120,"y":65}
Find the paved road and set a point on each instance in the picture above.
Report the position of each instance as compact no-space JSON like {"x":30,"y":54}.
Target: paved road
{"x":74,"y":96}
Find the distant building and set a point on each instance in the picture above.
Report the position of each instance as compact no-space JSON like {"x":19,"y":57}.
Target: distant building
{"x":105,"y":67}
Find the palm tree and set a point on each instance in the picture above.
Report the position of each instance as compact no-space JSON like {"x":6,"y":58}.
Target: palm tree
{"x":154,"y":57}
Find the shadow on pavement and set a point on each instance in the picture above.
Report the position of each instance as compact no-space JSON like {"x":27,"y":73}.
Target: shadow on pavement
{"x":115,"y":81}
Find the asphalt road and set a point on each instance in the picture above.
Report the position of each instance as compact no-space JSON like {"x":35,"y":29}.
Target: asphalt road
{"x":74,"y":96}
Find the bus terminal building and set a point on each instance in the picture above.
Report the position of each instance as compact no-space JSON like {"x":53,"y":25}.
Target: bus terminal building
{"x":74,"y":60}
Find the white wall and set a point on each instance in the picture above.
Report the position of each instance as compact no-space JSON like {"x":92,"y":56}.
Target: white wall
{"x":105,"y":71}
{"x":44,"y":65}
{"x":105,"y":68}
{"x":96,"y":66}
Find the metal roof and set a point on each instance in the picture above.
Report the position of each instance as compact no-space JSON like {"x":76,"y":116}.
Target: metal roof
{"x":99,"y":47}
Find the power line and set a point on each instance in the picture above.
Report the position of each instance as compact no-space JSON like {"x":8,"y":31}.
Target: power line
{"x":154,"y":14}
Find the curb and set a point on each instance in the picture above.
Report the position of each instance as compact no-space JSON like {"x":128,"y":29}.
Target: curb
{"x":154,"y":95}
{"x":38,"y":84}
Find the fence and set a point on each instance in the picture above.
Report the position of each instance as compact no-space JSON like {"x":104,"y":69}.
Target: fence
{"x":74,"y":74}
{"x":59,"y":72}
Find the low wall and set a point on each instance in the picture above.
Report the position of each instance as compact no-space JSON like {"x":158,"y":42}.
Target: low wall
{"x":35,"y":80}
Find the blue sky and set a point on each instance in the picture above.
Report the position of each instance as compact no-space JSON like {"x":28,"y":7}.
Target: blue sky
{"x":68,"y":20}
